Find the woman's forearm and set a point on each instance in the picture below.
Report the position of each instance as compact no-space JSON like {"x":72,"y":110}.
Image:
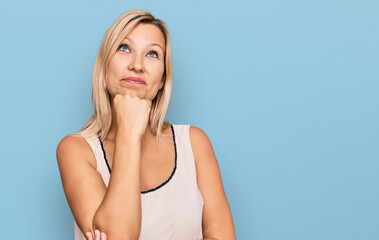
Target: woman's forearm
{"x":119,"y":214}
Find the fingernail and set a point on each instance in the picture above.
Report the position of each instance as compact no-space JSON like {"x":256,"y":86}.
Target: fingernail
{"x":103,"y":236}
{"x":97,"y":233}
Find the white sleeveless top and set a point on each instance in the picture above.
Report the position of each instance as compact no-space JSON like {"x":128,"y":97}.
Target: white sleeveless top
{"x":173,"y":210}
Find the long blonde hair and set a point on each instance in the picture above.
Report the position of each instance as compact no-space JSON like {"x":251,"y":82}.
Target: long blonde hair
{"x":101,"y":120}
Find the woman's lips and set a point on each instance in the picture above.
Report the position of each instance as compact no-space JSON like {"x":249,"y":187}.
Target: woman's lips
{"x":134,"y":80}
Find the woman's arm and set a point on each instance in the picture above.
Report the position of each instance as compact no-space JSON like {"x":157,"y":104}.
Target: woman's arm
{"x":82,"y":184}
{"x":115,"y":210}
{"x":119,"y":214}
{"x":217,"y":217}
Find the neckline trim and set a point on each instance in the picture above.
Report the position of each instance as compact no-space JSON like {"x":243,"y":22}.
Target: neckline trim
{"x":162,"y":184}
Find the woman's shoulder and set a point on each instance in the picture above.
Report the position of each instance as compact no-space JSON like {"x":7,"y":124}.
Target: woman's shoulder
{"x":73,"y":148}
{"x":196,"y":133}
{"x":199,"y":139}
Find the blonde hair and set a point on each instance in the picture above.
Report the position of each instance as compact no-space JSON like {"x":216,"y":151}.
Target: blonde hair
{"x":100,"y":122}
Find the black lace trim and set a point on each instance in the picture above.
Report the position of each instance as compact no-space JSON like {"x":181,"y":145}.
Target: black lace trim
{"x":105,"y":156}
{"x":161,"y":185}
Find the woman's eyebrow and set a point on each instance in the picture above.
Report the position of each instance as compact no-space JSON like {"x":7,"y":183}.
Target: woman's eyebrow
{"x":130,"y":40}
{"x":149,"y":44}
{"x":155,"y":44}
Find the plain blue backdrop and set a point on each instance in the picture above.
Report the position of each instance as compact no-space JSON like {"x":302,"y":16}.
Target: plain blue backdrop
{"x":287,"y":91}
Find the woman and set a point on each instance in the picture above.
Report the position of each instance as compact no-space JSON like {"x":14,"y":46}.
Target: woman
{"x":128,"y":174}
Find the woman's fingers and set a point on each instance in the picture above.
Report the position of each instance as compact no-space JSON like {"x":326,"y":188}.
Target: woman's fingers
{"x":97,"y":234}
{"x":89,"y":236}
{"x":132,"y":113}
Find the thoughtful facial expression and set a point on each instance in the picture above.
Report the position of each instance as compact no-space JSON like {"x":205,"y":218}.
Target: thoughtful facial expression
{"x":138,"y":65}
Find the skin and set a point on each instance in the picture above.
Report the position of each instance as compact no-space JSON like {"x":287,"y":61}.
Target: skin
{"x":141,"y":55}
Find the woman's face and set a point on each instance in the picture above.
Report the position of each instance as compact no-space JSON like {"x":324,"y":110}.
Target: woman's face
{"x":138,"y":65}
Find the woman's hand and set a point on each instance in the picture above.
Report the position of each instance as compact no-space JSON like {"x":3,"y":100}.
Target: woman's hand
{"x":132,"y":113}
{"x":98,"y":236}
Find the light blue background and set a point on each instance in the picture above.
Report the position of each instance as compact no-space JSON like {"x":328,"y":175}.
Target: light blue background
{"x":287,"y":91}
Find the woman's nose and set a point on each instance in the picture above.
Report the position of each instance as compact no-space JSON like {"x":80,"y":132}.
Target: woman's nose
{"x":136,"y":64}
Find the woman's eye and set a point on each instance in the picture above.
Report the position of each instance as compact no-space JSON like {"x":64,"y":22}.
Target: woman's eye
{"x":153,"y":54}
{"x":124,"y":48}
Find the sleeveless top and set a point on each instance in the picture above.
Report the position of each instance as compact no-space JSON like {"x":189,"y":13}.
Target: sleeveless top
{"x":173,"y":210}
